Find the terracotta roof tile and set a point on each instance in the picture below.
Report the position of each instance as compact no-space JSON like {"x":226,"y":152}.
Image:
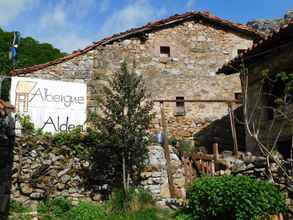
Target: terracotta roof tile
{"x":152,"y":26}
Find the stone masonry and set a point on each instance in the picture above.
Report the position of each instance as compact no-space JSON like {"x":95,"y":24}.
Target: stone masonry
{"x":177,"y":61}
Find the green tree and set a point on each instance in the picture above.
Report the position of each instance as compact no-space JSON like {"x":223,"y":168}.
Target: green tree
{"x":30,"y":52}
{"x":125,"y":115}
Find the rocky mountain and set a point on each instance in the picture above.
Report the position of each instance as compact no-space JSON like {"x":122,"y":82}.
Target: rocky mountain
{"x":268,"y":26}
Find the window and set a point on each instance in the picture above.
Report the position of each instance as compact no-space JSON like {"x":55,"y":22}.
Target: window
{"x":240,"y":51}
{"x":165,"y":51}
{"x":238,"y":96}
{"x":180,"y":106}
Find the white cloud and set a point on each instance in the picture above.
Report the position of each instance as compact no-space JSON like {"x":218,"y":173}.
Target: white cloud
{"x":10,"y":9}
{"x":54,"y":18}
{"x":67,"y":41}
{"x":136,"y":13}
{"x":190,"y":4}
{"x":57,"y":28}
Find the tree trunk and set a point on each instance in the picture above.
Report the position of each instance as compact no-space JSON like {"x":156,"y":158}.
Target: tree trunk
{"x":124,"y":174}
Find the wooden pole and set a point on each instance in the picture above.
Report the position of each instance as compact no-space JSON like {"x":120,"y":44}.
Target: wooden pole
{"x":233,"y":128}
{"x":167,"y":153}
{"x":216,"y":151}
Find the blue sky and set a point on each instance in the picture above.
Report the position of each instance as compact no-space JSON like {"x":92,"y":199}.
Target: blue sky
{"x":74,"y":24}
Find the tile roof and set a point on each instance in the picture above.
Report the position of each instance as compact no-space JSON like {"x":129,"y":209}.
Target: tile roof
{"x":150,"y":27}
{"x":278,"y":39}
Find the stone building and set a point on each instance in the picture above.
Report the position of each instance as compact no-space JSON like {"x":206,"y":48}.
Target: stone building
{"x":178,"y":58}
{"x":265,"y":91}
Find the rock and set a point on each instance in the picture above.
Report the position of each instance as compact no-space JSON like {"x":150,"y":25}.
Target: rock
{"x":260,"y":162}
{"x":97,"y":197}
{"x":147,"y":174}
{"x":33,"y":154}
{"x":63,"y":172}
{"x":65,"y":179}
{"x":85,"y":164}
{"x":179,"y":181}
{"x":164,"y":190}
{"x":37,"y":195}
{"x":26,"y":189}
{"x":238,"y":165}
{"x":47,"y":162}
{"x":227,"y":154}
{"x":60,"y":186}
{"x":72,"y":190}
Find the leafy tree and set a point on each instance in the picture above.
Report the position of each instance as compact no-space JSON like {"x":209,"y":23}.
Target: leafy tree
{"x":29,"y":52}
{"x":122,"y":126}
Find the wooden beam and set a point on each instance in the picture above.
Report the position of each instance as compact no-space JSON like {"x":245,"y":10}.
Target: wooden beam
{"x":167,"y":153}
{"x":200,"y":100}
{"x":202,"y":156}
{"x":233,"y":128}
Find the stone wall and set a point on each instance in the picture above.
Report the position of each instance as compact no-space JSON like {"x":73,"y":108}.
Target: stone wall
{"x":274,"y":62}
{"x":197,"y":50}
{"x":6,"y":146}
{"x":41,"y":171}
{"x":156,"y":177}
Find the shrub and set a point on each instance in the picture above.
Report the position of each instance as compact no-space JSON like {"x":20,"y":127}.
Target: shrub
{"x":135,"y":199}
{"x":54,"y":208}
{"x":186,"y":146}
{"x":143,"y":214}
{"x":86,"y":211}
{"x":26,"y":123}
{"x":17,"y":207}
{"x":233,"y":197}
{"x":18,"y":211}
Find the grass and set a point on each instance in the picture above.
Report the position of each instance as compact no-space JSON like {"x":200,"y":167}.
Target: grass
{"x":144,"y":214}
{"x":138,"y":205}
{"x":18,"y":211}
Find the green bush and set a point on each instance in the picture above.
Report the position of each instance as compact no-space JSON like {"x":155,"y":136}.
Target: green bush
{"x":86,"y":211}
{"x":62,"y":209}
{"x":135,"y":199}
{"x":17,"y":211}
{"x":17,"y":207}
{"x":186,"y":146}
{"x":143,"y":214}
{"x":183,"y":216}
{"x":233,"y":197}
{"x":26,"y":123}
{"x":54,"y":208}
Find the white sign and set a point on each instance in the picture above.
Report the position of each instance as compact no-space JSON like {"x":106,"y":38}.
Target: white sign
{"x":53,"y":106}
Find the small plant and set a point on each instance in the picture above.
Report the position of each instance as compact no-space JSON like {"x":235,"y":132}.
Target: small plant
{"x":233,"y":197}
{"x":17,"y":207}
{"x":144,"y":198}
{"x":18,"y":211}
{"x":186,"y":146}
{"x":86,"y":211}
{"x":26,"y":123}
{"x":134,"y":199}
{"x":54,"y":208}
